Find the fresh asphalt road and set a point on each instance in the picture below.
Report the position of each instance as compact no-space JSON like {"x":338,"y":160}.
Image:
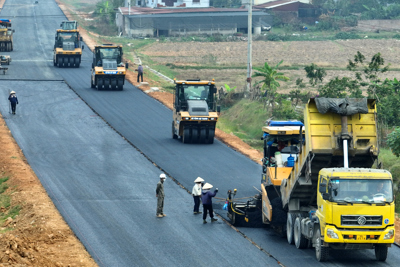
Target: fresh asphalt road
{"x":104,"y":187}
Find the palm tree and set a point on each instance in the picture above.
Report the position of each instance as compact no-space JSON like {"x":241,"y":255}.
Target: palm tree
{"x":269,"y":83}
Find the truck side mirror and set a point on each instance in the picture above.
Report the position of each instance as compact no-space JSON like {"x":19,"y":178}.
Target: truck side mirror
{"x":326,"y":196}
{"x":218,"y":109}
{"x":83,"y":47}
{"x":127,"y":65}
{"x":92,"y":65}
{"x":80,"y":38}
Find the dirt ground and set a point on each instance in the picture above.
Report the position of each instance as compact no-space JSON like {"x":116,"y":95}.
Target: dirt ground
{"x":39,"y":236}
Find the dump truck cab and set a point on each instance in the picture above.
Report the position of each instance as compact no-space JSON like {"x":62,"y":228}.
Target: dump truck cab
{"x":6,"y":35}
{"x":108,"y":70}
{"x":195,"y":111}
{"x":68,"y":45}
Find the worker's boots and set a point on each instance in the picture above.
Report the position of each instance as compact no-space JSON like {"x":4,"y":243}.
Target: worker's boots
{"x":204,"y":221}
{"x":213,"y":220}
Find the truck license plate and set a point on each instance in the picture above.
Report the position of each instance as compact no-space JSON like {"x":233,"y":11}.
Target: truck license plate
{"x":361,"y":237}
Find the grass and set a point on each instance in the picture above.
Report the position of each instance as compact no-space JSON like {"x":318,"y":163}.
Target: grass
{"x":245,"y":120}
{"x":5,"y":202}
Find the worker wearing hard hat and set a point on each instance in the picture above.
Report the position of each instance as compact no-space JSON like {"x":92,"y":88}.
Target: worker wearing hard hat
{"x":160,"y":196}
{"x":196,"y":193}
{"x":13,"y":100}
{"x":206,"y":199}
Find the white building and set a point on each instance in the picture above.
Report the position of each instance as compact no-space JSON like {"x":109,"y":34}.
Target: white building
{"x":172,"y":3}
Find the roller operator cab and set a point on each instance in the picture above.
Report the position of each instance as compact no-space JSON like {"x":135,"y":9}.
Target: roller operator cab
{"x":195,"y":113}
{"x":68,"y":45}
{"x":6,"y":35}
{"x":108,"y":70}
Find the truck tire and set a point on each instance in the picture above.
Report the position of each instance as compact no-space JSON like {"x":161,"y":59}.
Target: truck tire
{"x":381,"y":252}
{"x":299,"y":240}
{"x":321,"y":253}
{"x":291,"y":217}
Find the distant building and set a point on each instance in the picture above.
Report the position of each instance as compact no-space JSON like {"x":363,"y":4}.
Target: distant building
{"x":289,"y":10}
{"x":154,"y":22}
{"x":170,"y":3}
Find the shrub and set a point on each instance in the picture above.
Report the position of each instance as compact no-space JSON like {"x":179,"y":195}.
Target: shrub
{"x":395,"y":171}
{"x":347,"y":35}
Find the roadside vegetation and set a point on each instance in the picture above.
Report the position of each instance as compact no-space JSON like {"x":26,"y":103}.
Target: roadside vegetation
{"x":6,"y":209}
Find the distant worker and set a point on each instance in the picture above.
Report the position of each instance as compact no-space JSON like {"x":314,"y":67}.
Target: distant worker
{"x":13,"y":100}
{"x":196,"y":193}
{"x":206,"y":199}
{"x":160,"y":196}
{"x":140,"y":72}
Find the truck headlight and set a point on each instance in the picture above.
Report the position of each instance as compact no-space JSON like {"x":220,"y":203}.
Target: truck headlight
{"x":389,"y":235}
{"x":185,"y":118}
{"x":331,"y":234}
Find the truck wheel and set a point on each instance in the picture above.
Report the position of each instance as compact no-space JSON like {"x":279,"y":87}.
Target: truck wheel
{"x":290,"y":227}
{"x":299,"y":240}
{"x":174,"y":136}
{"x":381,"y":252}
{"x":321,"y":253}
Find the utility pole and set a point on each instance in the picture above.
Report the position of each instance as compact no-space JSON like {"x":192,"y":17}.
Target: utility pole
{"x":249,"y":43}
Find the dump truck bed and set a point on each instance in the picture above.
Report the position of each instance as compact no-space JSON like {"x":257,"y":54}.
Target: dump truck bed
{"x":323,"y":148}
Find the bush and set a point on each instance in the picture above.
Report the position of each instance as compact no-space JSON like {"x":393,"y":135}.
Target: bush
{"x":395,"y":171}
{"x":396,"y":36}
{"x":347,"y":35}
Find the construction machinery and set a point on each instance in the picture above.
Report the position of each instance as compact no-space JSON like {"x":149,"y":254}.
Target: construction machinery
{"x":67,"y":46}
{"x":5,"y":60}
{"x":6,"y":35}
{"x":195,"y":111}
{"x":108,"y":70}
{"x":318,"y":186}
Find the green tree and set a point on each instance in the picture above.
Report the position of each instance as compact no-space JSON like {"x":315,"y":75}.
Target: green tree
{"x":269,"y":82}
{"x":369,"y":77}
{"x":314,"y":74}
{"x":393,"y":141}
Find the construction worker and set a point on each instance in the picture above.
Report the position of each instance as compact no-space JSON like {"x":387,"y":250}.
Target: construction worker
{"x":196,"y":193}
{"x":13,"y":100}
{"x":160,"y":196}
{"x":206,"y":199}
{"x":140,"y":72}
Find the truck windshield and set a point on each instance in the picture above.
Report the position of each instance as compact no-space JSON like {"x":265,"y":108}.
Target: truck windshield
{"x":196,"y":91}
{"x":360,"y":190}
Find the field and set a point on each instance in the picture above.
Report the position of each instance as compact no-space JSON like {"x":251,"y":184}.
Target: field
{"x":226,"y":61}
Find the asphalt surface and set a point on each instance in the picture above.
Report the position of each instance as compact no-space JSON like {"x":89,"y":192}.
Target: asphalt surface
{"x":99,"y":154}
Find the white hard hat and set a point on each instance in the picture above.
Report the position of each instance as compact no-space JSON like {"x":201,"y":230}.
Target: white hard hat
{"x":12,"y":92}
{"x":199,"y":180}
{"x":162,"y":176}
{"x":207,"y":186}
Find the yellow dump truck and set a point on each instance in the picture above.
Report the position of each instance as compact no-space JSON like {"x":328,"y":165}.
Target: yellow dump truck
{"x":108,"y":70}
{"x":6,"y":35}
{"x":68,"y":45}
{"x":318,"y":186}
{"x":195,"y":112}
